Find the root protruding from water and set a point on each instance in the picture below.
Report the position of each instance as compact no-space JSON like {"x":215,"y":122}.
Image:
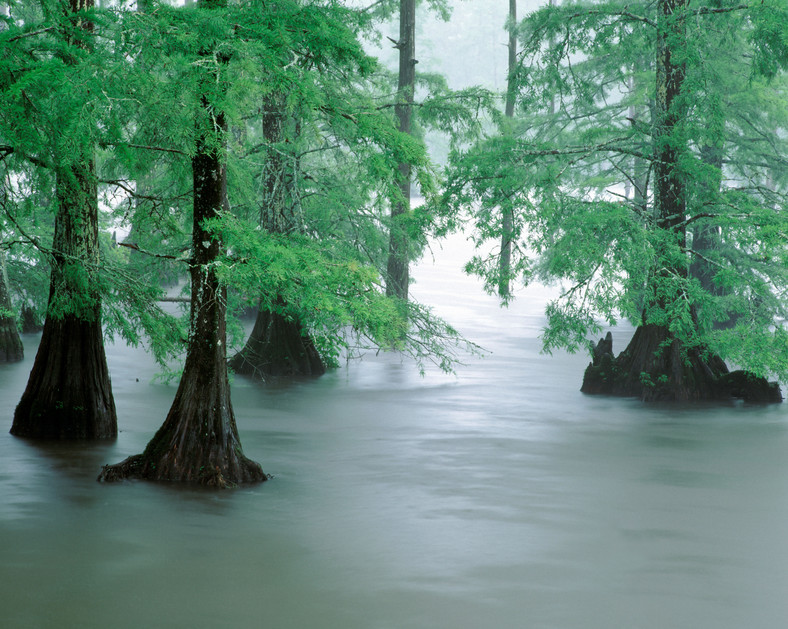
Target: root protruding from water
{"x":656,"y":367}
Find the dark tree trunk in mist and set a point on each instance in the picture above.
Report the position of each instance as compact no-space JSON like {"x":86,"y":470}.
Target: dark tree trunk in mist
{"x":68,"y":394}
{"x":637,"y":185}
{"x":397,"y":272}
{"x":11,"y":350}
{"x":507,"y":218}
{"x":278,"y":345}
{"x":656,"y":365}
{"x":199,"y":441}
{"x":707,"y":237}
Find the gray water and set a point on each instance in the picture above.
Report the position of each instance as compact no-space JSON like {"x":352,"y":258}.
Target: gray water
{"x":500,"y":497}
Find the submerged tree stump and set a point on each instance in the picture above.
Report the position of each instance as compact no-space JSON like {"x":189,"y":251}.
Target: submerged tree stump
{"x":656,"y":367}
{"x":278,"y":346}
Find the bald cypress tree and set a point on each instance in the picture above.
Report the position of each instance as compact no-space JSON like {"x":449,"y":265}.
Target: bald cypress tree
{"x":68,"y":394}
{"x":199,"y":441}
{"x":397,"y":268}
{"x":11,"y":349}
{"x":279,"y":344}
{"x":587,"y":76}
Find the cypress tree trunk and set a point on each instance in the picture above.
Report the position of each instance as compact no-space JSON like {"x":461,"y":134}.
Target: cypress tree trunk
{"x":68,"y":394}
{"x":656,"y":365}
{"x":707,"y":237}
{"x":278,"y":345}
{"x":397,"y":271}
{"x":10,"y":344}
{"x":507,"y":218}
{"x":199,"y":441}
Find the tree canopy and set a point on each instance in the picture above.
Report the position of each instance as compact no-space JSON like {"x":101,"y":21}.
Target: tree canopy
{"x":581,"y":168}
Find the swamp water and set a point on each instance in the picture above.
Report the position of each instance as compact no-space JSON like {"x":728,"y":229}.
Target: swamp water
{"x":497,"y":498}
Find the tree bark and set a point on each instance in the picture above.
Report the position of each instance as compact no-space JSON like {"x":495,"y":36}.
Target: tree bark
{"x":278,"y":346}
{"x":11,"y":349}
{"x":507,"y":214}
{"x":397,"y":269}
{"x":68,"y":394}
{"x":199,"y":441}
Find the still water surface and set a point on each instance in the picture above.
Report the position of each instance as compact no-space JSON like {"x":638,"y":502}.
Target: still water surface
{"x":497,"y":498}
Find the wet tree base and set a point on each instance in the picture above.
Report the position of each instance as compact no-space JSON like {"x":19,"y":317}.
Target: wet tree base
{"x":68,"y":394}
{"x":278,"y":347}
{"x":138,"y":467}
{"x":655,"y":368}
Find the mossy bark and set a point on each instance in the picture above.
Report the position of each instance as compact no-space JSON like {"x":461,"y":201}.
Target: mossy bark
{"x":69,"y":394}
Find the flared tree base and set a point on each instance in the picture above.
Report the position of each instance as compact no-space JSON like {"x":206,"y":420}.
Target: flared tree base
{"x":139,"y":467}
{"x":277,"y":347}
{"x":179,"y":453}
{"x":198,"y":441}
{"x":655,"y":367}
{"x":68,"y":394}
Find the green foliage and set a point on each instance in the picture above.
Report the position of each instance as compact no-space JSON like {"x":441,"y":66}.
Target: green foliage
{"x":150,"y":84}
{"x":769,"y":38}
{"x":338,"y":299}
{"x":576,"y":170}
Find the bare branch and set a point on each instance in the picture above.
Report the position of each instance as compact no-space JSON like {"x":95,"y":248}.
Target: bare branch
{"x":31,"y":34}
{"x":135,"y":247}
